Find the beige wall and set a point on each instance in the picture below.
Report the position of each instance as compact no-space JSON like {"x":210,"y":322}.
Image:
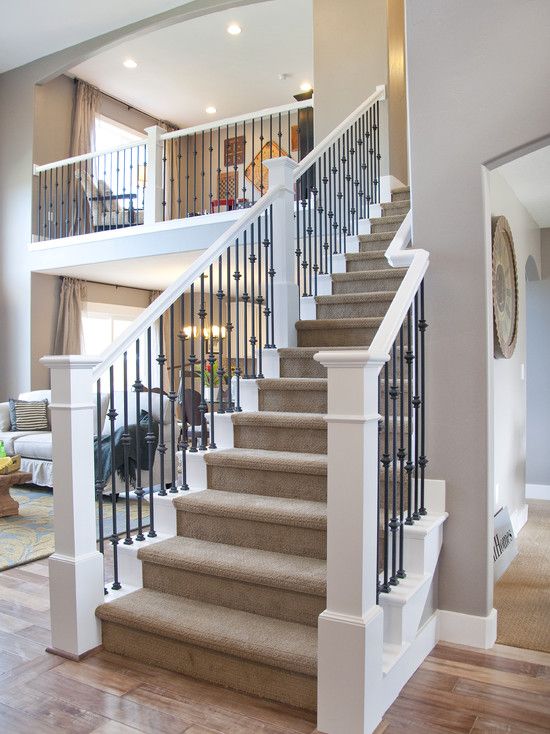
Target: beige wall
{"x":357,"y":45}
{"x":509,"y":388}
{"x":473,"y":69}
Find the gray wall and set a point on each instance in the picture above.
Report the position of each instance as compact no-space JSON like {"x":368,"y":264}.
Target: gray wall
{"x":474,"y":70}
{"x":17,"y":98}
{"x":538,"y":382}
{"x":510,"y":397}
{"x":357,"y":45}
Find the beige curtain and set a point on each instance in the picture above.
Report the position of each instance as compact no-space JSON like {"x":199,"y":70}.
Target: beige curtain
{"x":68,"y":333}
{"x":86,"y":106}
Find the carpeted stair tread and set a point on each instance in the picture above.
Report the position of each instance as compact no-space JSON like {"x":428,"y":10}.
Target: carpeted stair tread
{"x":255,"y":508}
{"x":377,"y":237}
{"x":279,"y":570}
{"x":401,"y":190}
{"x":293,"y":383}
{"x":260,"y":459}
{"x":367,"y":274}
{"x":308,"y":352}
{"x":372,"y":296}
{"x":272,"y":419}
{"x":366,"y":322}
{"x":391,"y":219}
{"x":390,"y":206}
{"x":285,"y":645}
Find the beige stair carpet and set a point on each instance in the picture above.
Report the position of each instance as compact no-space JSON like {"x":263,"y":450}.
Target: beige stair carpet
{"x":235,"y":597}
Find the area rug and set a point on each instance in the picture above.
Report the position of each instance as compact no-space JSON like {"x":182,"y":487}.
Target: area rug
{"x":29,"y":536}
{"x":522,"y":594}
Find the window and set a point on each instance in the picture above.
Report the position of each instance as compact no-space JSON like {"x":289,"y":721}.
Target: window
{"x":110,"y":134}
{"x":102,"y":323}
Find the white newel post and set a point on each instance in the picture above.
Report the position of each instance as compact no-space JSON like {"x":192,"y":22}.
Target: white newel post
{"x":76,"y":567}
{"x":285,"y":289}
{"x":153,"y":195}
{"x":351,"y":627}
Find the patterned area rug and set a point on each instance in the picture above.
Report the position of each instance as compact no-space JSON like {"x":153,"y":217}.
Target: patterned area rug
{"x":29,"y":536}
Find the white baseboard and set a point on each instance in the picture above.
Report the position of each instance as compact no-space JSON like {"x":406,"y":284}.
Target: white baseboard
{"x":467,"y":629}
{"x":518,"y":518}
{"x":537,"y":491}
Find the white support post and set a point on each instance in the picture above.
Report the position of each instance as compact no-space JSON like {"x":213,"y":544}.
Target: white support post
{"x":76,"y":567}
{"x":285,"y":289}
{"x":351,"y":627}
{"x":154,"y":193}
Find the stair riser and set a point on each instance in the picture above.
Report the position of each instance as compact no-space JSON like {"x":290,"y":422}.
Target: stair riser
{"x":349,"y":337}
{"x":306,"y":367}
{"x":343,"y":287}
{"x":352,"y":310}
{"x":375,"y":244}
{"x":293,"y":401}
{"x":302,"y":440}
{"x":268,"y":483}
{"x":397,"y":208}
{"x":298,"y":541}
{"x":401,"y":196}
{"x":374,"y":263}
{"x":382,"y":226}
{"x":288,"y":605}
{"x":247,"y":676}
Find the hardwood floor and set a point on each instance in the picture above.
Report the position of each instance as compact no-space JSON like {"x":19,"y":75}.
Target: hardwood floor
{"x":456,"y":689}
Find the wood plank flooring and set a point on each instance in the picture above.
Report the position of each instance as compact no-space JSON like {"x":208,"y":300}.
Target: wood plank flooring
{"x":456,"y":689}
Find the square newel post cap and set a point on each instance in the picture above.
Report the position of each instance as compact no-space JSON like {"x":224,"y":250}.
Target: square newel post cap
{"x":352,"y":358}
{"x":281,"y":171}
{"x":72,"y":361}
{"x":154,"y":130}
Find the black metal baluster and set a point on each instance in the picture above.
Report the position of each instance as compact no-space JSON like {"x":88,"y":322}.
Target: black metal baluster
{"x":253,"y":169}
{"x":56,"y":233}
{"x":126,"y":449}
{"x":372,"y":165}
{"x":150,"y":437}
{"x":237,"y":278}
{"x":50,"y":206}
{"x":326,"y":245}
{"x":219,"y":170}
{"x":394,"y":522}
{"x":221,"y":371}
{"x":210,"y":151}
{"x":39,"y":205}
{"x":335,"y":221}
{"x":401,"y":455}
{"x":416,"y":405}
{"x":244,"y":164}
{"x":139,"y":492}
{"x":211,"y":358}
{"x":261,"y":156}
{"x":409,"y":466}
{"x":193,"y":367}
{"x":253,"y":340}
{"x":165,"y":178}
{"x":422,"y":459}
{"x":305,"y":264}
{"x":229,"y":332}
{"x":202,"y":173}
{"x":378,"y":155}
{"x":184,"y":430}
{"x":194,"y":174}
{"x":245,"y":299}
{"x":227,"y":168}
{"x":99,"y":470}
{"x":172,"y":396}
{"x":344,"y":183}
{"x":202,"y":406}
{"x":298,"y":250}
{"x":259,"y":299}
{"x":272,"y":274}
{"x":235,"y":170}
{"x":385,"y":461}
{"x":267,"y":310}
{"x":161,"y":448}
{"x":187,"y":177}
{"x":112,"y":414}
{"x":361,"y":167}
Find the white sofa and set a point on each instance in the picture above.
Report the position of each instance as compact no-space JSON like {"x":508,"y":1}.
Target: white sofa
{"x":35,"y":447}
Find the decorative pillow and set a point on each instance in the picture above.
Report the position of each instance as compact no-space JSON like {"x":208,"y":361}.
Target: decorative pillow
{"x":5,"y":422}
{"x":29,"y":415}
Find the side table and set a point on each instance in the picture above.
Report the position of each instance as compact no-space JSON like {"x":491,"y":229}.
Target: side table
{"x":8,"y":506}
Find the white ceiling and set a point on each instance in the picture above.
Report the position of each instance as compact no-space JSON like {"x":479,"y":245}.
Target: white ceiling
{"x":529,"y":177}
{"x":152,"y":273}
{"x":31,"y":29}
{"x":186,"y":67}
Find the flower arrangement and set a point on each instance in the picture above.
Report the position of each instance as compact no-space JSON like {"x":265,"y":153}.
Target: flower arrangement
{"x":212,"y":374}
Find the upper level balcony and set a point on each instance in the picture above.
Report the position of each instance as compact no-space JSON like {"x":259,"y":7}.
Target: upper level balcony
{"x":169,"y":191}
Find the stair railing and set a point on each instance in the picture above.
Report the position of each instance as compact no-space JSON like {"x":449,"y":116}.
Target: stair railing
{"x":336,"y":185}
{"x":375,"y":484}
{"x":163,"y":389}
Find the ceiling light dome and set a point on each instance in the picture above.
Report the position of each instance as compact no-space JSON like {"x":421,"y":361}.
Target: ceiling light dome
{"x":306,"y":87}
{"x":211,"y":110}
{"x":129,"y":63}
{"x":234,"y":29}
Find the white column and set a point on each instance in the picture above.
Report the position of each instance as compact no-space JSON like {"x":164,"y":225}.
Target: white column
{"x":351,"y":627}
{"x":76,"y":567}
{"x":153,"y":186}
{"x":285,"y":290}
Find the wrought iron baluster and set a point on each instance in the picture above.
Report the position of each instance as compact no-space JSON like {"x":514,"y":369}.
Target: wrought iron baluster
{"x":150,"y":436}
{"x":184,"y":430}
{"x":221,"y":370}
{"x":211,"y":358}
{"x":161,"y":448}
{"x":112,"y":414}
{"x":409,"y":465}
{"x":401,"y":455}
{"x":259,"y":299}
{"x":237,"y":278}
{"x":385,"y":461}
{"x":193,"y":369}
{"x":172,"y":396}
{"x":394,"y":522}
{"x":139,"y":492}
{"x":126,"y":439}
{"x":229,"y":332}
{"x":422,"y":459}
{"x":245,"y":299}
{"x":252,"y":261}
{"x":416,"y":406}
{"x":202,"y":405}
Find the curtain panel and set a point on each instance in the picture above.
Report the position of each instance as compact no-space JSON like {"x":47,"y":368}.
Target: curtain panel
{"x":68,"y":333}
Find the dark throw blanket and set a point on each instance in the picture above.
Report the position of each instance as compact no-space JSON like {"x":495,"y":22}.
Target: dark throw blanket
{"x":136,"y":437}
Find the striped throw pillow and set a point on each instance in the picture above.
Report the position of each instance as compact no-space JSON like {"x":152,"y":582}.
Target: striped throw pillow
{"x":29,"y":415}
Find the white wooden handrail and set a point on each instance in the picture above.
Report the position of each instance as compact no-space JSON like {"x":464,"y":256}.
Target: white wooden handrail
{"x":185,"y":280}
{"x":324,"y":145}
{"x":86,"y":156}
{"x":236,"y":120}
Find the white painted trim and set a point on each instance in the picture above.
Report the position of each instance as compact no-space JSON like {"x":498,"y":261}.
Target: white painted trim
{"x":85,"y":157}
{"x":468,"y":629}
{"x":537,"y":491}
{"x":519,"y":517}
{"x":305,"y":104}
{"x":378,"y":96}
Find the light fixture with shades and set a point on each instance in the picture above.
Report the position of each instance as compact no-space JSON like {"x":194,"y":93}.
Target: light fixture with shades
{"x":218,"y":332}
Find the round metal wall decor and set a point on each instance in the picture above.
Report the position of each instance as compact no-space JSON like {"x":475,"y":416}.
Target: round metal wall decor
{"x":505,"y":289}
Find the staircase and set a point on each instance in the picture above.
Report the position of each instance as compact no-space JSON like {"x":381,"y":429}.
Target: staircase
{"x":235,"y":597}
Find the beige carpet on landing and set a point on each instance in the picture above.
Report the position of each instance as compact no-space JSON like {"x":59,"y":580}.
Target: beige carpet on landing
{"x":522,"y":595}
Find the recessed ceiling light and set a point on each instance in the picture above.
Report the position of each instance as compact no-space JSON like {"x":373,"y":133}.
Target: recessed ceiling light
{"x":210,"y":110}
{"x":234,"y":29}
{"x":129,"y":63}
{"x":305,"y":87}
